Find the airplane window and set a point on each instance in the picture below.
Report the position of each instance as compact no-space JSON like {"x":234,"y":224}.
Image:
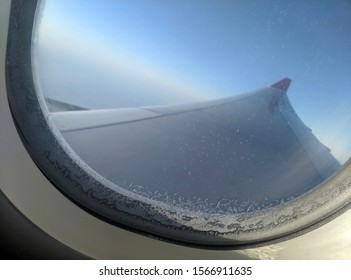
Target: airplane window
{"x":195,"y":122}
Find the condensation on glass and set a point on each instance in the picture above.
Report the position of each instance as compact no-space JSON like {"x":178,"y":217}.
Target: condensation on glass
{"x":212,"y":108}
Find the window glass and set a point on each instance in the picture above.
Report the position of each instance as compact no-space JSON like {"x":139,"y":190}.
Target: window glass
{"x":187,"y":102}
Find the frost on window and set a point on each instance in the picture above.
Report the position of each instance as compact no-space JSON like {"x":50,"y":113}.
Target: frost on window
{"x":218,"y":108}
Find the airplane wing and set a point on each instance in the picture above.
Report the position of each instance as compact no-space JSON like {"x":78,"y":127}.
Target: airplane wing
{"x":223,"y":153}
{"x":58,"y":106}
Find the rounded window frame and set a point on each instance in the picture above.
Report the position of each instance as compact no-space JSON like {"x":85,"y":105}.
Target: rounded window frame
{"x":82,"y":185}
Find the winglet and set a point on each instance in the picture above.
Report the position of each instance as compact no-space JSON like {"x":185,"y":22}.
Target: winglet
{"x":282,"y":84}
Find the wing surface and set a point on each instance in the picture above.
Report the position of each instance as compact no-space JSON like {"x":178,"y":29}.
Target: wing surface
{"x":251,"y":147}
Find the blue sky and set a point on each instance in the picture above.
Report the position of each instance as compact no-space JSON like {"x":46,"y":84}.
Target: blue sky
{"x":149,"y":52}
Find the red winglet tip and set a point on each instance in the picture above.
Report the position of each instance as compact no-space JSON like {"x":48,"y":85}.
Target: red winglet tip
{"x":282,"y":84}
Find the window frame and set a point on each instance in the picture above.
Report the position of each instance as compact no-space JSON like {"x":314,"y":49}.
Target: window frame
{"x":87,"y":189}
